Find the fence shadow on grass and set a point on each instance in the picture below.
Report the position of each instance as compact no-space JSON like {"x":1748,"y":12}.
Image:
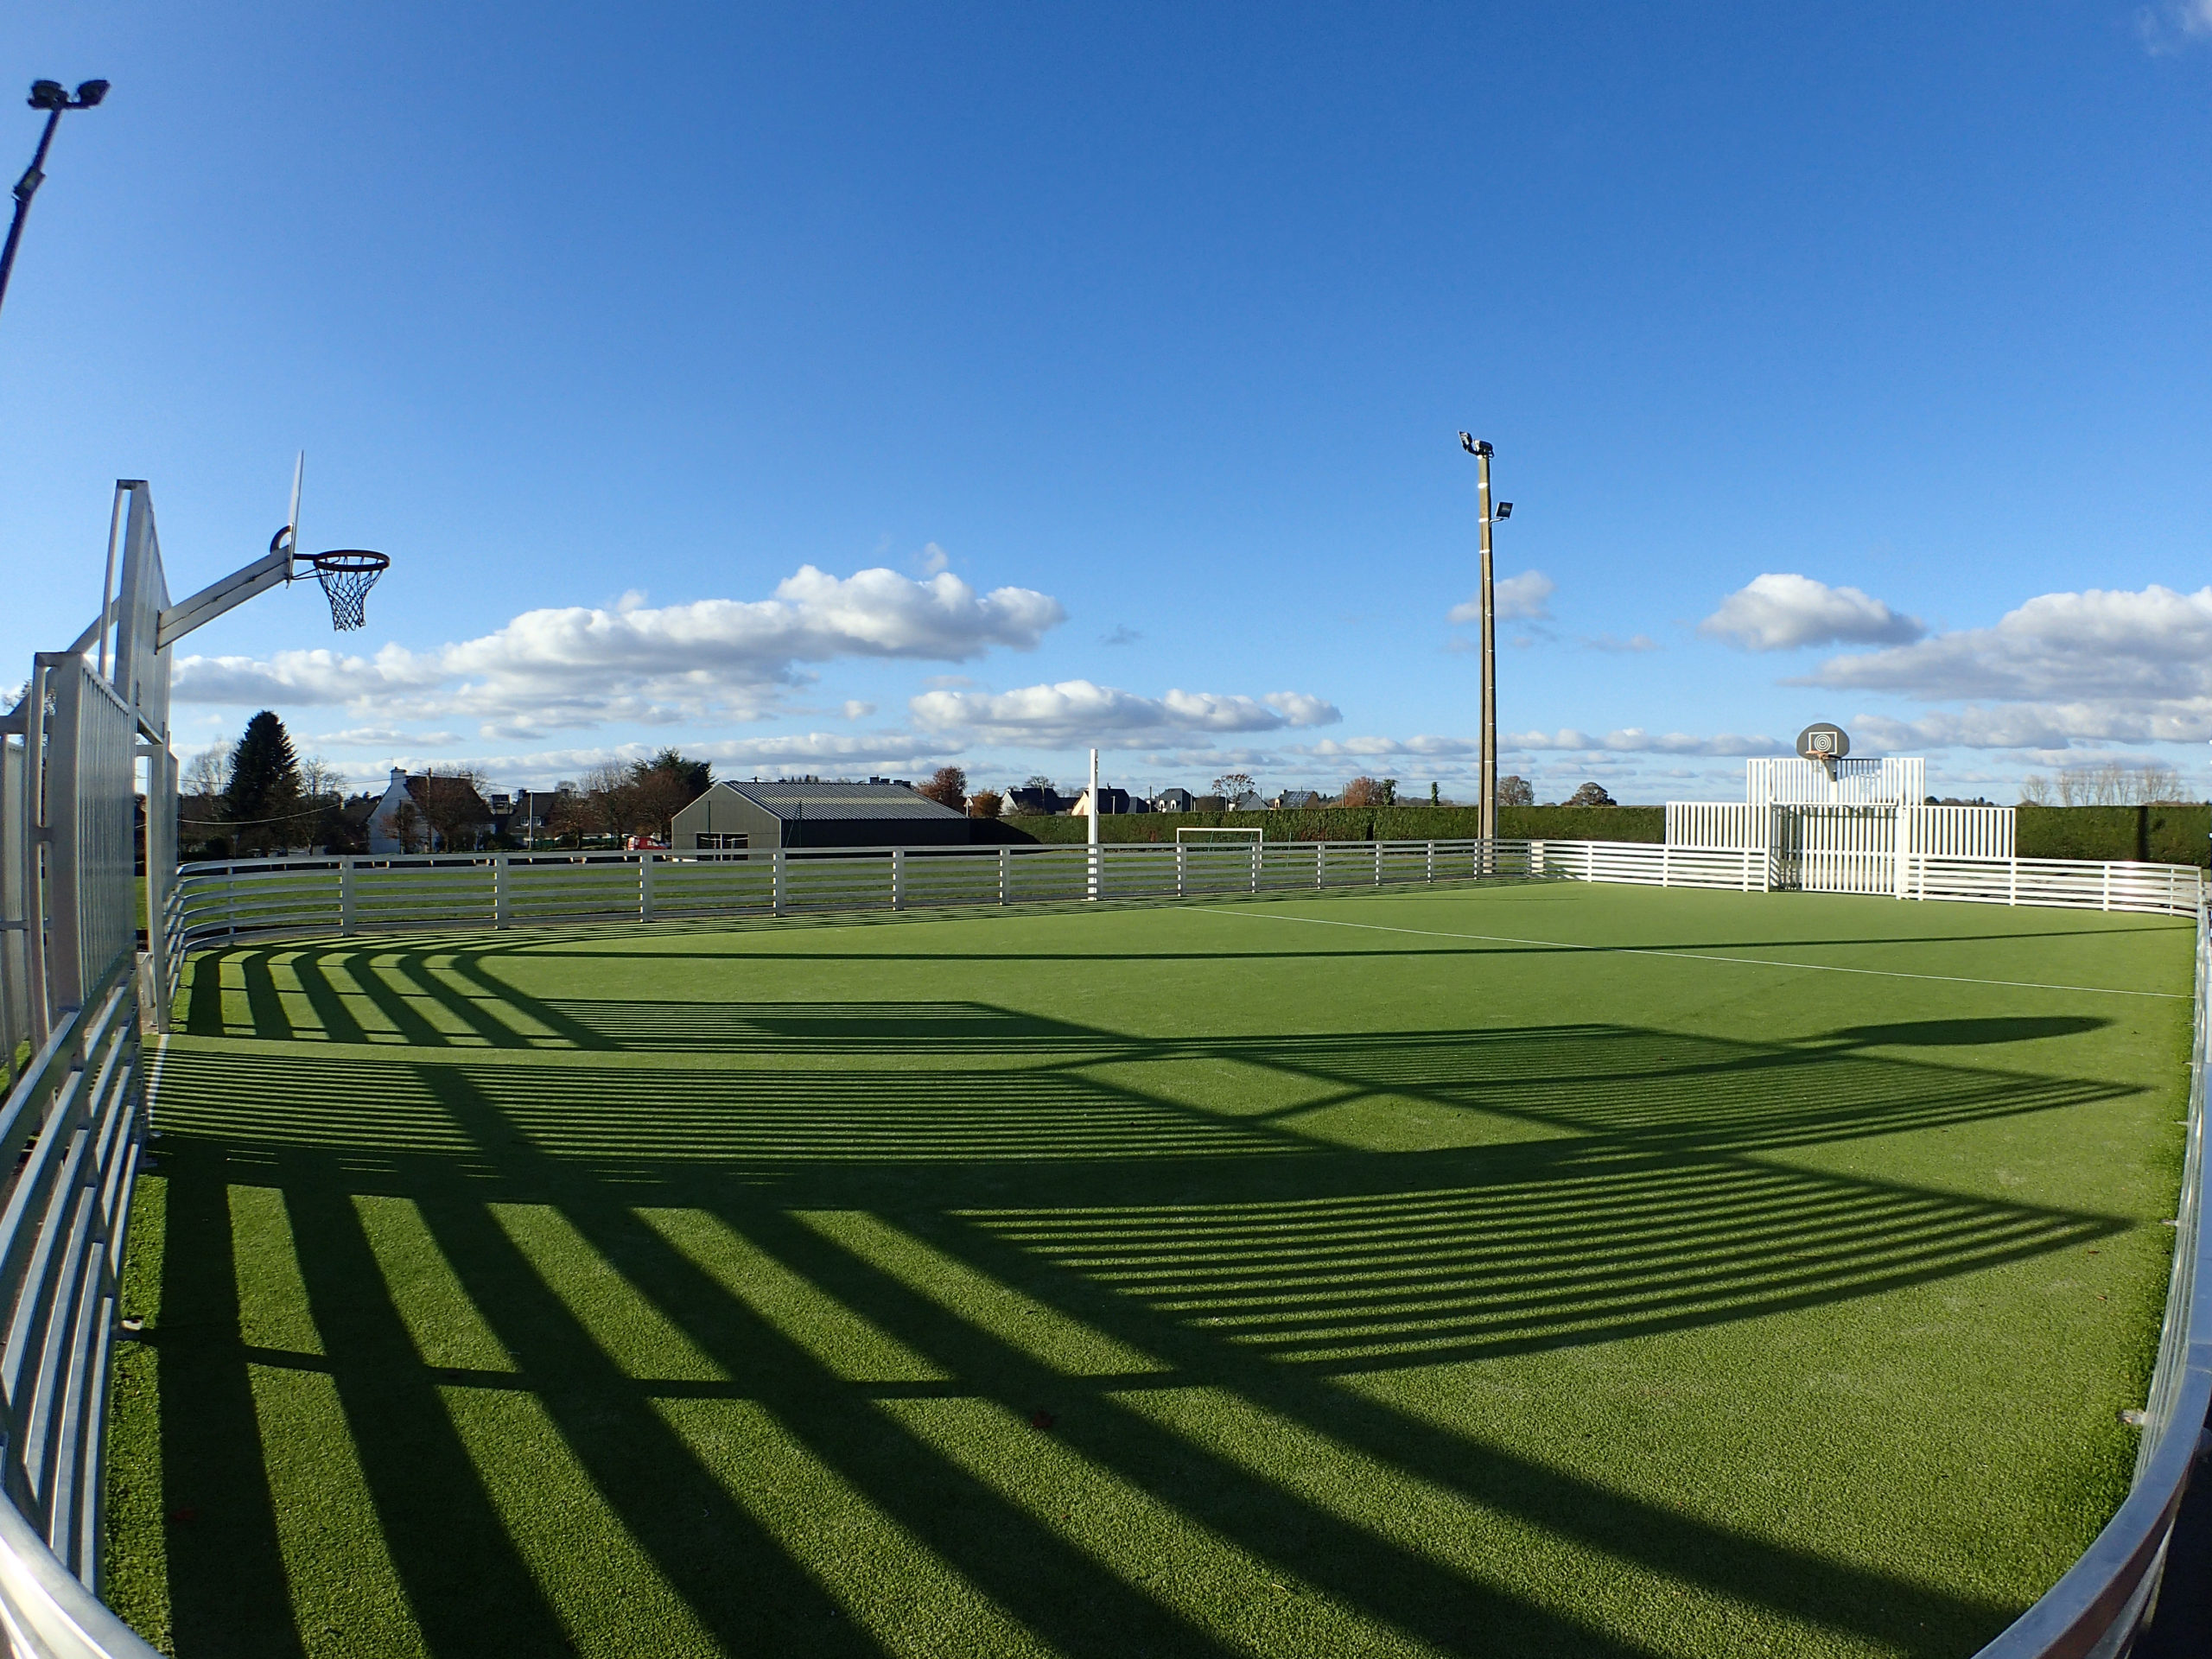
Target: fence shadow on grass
{"x":1065,"y":1232}
{"x":326,"y":989}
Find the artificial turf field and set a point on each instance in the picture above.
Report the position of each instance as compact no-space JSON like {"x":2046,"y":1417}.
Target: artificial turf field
{"x":1313,"y":1276}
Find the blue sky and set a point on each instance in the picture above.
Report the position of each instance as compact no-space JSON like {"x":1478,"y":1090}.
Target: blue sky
{"x":853,"y":389}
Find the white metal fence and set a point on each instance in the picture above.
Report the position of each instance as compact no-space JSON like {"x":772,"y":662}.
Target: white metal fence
{"x":241,"y":898}
{"x":1892,"y":780}
{"x":74,"y":1118}
{"x":1841,"y":848}
{"x":225,"y":899}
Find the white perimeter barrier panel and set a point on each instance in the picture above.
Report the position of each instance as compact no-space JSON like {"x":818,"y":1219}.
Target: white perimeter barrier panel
{"x":220,"y":901}
{"x":77,"y":1106}
{"x":73,"y":985}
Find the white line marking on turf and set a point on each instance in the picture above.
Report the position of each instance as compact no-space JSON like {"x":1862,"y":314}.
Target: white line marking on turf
{"x":1692,"y":955}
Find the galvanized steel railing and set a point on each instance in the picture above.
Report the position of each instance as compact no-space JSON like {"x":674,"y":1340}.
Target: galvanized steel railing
{"x":2104,"y":1597}
{"x":72,"y":1127}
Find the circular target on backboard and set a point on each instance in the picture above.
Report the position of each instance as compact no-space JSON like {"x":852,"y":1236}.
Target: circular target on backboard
{"x":1821,"y":742}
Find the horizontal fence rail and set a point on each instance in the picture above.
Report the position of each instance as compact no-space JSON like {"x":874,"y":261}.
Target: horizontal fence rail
{"x":241,"y":898}
{"x":71,"y":1130}
{"x":2093,"y":1610}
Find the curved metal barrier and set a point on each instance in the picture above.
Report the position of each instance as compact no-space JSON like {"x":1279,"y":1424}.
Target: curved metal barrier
{"x":74,"y":1124}
{"x":79,"y":1109}
{"x":2106,"y":1596}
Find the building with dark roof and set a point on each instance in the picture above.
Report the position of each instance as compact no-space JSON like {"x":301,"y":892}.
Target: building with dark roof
{"x":733,"y":817}
{"x":1036,"y":799}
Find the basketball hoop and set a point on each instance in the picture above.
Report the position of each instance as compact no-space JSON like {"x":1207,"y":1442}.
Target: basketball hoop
{"x":346,"y":575}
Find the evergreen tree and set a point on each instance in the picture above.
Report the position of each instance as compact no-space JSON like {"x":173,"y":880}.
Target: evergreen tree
{"x":264,"y":797}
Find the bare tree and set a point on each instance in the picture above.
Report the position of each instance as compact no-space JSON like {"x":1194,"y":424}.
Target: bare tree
{"x":452,"y":799}
{"x":318,"y":778}
{"x":1232,"y":785}
{"x":207,"y":773}
{"x":2108,"y":784}
{"x":570,"y":814}
{"x":409,"y":828}
{"x":610,"y":800}
{"x":657,"y":795}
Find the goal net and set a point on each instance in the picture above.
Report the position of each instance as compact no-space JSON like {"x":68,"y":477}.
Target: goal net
{"x":1248,"y":837}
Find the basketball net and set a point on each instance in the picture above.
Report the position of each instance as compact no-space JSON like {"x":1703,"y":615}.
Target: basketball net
{"x":347,"y":579}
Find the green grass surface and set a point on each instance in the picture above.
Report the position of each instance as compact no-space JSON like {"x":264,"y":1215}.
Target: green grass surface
{"x":1392,"y":1277}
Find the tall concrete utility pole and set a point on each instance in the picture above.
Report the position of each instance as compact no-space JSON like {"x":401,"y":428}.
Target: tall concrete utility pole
{"x":1091,"y":857}
{"x":1487,"y":817}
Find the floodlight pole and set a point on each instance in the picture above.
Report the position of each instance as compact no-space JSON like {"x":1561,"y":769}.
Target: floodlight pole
{"x":1091,"y":857}
{"x":48,"y":96}
{"x":1486,"y":817}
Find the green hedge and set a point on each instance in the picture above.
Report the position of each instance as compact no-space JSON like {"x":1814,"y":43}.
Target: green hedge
{"x":1364,"y":824}
{"x":2172,"y":834}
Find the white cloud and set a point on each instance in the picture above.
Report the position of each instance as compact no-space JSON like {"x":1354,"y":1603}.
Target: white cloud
{"x":1518,"y":598}
{"x":1629,"y":740}
{"x":2156,"y":644}
{"x":855,"y":709}
{"x":1778,"y":611}
{"x":2169,"y":26}
{"x":932,"y":559}
{"x":1634,"y":739}
{"x":1368,"y":748}
{"x":1614,"y":642}
{"x":2098,"y":666}
{"x":383,"y":737}
{"x":1080,"y":711}
{"x":579,"y":666}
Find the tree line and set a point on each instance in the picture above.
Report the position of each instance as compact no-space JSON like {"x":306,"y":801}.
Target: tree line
{"x":260,"y":796}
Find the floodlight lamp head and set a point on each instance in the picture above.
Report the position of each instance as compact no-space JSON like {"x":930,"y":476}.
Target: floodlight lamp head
{"x":1473,"y":445}
{"x":49,"y":95}
{"x":90,"y":92}
{"x":1505,"y":509}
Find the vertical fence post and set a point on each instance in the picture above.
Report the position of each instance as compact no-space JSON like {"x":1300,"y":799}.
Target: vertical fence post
{"x":1005,"y":871}
{"x":1666,"y":865}
{"x":898,"y":878}
{"x":1378,"y":863}
{"x":646,"y":886}
{"x":348,"y":921}
{"x":1432,"y":864}
{"x":1320,"y":864}
{"x":1255,"y":867}
{"x":1182,"y":889}
{"x":2012,"y":882}
{"x":2108,"y":875}
{"x":501,"y":897}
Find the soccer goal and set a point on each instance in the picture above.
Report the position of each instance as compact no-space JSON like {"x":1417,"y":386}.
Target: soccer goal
{"x":1200,"y":835}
